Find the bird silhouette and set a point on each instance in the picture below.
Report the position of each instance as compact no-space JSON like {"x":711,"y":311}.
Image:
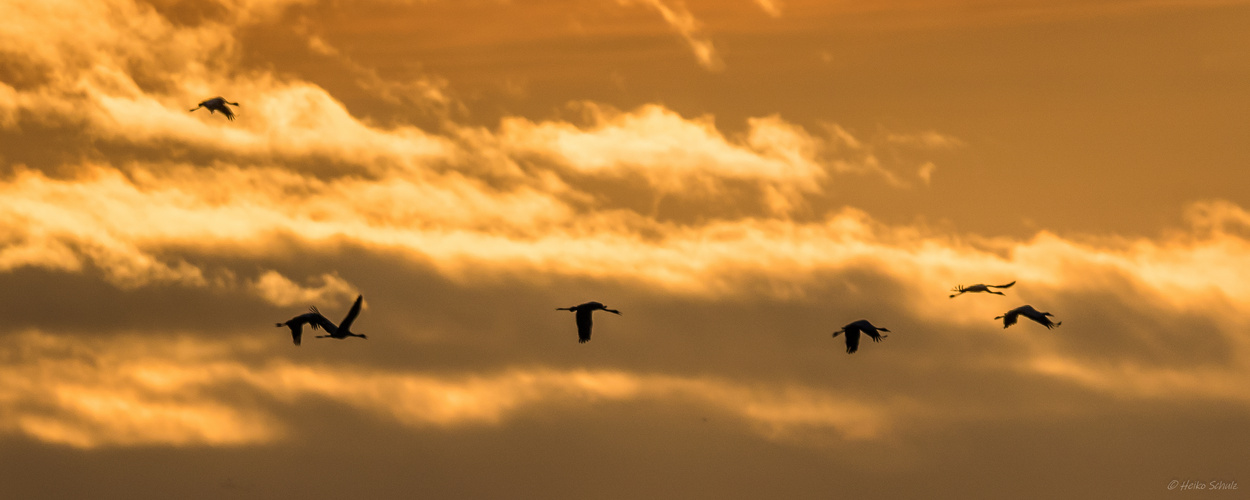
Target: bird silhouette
{"x":317,"y":320}
{"x":1029,"y":312}
{"x":980,"y":287}
{"x":853,"y":330}
{"x":344,"y":328}
{"x":297,"y":323}
{"x":583,"y":318}
{"x":218,"y":104}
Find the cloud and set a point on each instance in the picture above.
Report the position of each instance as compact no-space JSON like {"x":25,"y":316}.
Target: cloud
{"x":130,"y":392}
{"x":83,"y":398}
{"x":142,"y":226}
{"x":679,"y":18}
{"x":927,"y":140}
{"x":278,"y":290}
{"x":671,"y":152}
{"x":772,"y":7}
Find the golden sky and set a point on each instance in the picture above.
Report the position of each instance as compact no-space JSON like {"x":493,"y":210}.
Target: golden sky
{"x":739,"y":177}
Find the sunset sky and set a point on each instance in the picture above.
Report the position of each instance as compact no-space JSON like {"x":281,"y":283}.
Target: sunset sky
{"x":740,"y":178}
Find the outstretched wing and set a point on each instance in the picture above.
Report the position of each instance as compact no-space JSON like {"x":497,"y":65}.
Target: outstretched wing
{"x":297,"y":323}
{"x":297,"y":331}
{"x":872,"y":332}
{"x":583,"y":324}
{"x":312,"y":311}
{"x":1038,"y":317}
{"x":1010,"y":318}
{"x":346,"y":324}
{"x":317,"y":320}
{"x":852,"y":340}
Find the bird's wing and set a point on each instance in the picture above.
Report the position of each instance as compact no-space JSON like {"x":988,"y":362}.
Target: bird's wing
{"x":872,"y":332}
{"x":852,"y":340}
{"x":583,"y":325}
{"x":318,"y":320}
{"x":346,"y":324}
{"x":308,"y":317}
{"x":1043,"y":320}
{"x":1003,"y":286}
{"x":297,"y":331}
{"x":225,"y":110}
{"x":1010,"y":318}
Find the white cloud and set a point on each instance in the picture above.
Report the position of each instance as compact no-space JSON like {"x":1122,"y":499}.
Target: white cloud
{"x":126,"y":392}
{"x":679,"y":18}
{"x":672,"y":152}
{"x":281,"y":291}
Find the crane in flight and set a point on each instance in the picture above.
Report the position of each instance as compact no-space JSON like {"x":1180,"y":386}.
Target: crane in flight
{"x":853,"y":330}
{"x":297,"y":323}
{"x":218,"y":104}
{"x":1029,"y":312}
{"x":980,"y":287}
{"x":317,"y":320}
{"x":583,"y":318}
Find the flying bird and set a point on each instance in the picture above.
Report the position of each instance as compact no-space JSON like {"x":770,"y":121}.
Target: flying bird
{"x":344,"y":328}
{"x":1029,"y":312}
{"x":853,"y":330}
{"x":979,"y":288}
{"x":583,"y":318}
{"x":297,"y":323}
{"x":313,"y":317}
{"x":218,"y":104}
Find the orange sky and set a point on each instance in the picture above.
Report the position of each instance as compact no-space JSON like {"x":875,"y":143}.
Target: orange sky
{"x":739,"y":178}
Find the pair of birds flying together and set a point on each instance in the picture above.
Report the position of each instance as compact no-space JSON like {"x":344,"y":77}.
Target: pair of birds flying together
{"x":1010,"y":317}
{"x":314,"y":318}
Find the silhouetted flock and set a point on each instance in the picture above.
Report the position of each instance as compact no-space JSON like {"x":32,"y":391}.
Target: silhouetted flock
{"x":316,"y":320}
